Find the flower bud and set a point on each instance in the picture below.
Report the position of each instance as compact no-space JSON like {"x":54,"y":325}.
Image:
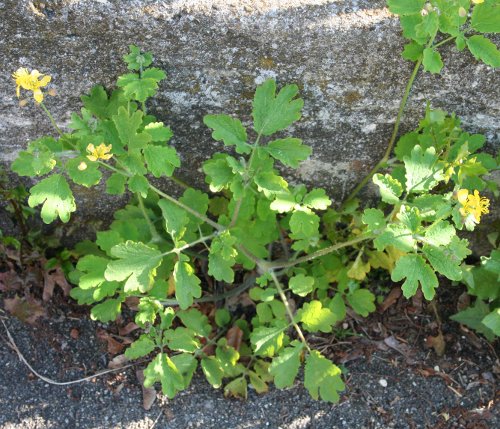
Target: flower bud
{"x":82,"y":166}
{"x":462,"y":13}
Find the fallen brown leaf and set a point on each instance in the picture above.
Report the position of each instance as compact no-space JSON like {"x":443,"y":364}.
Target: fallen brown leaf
{"x":437,"y":343}
{"x":27,"y":309}
{"x":114,"y":347}
{"x":390,"y":299}
{"x":128,"y":328}
{"x":118,"y":362}
{"x":148,"y":393}
{"x":54,"y":278}
{"x":234,"y":337}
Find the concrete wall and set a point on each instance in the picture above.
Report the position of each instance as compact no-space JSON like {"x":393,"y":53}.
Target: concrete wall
{"x":344,"y":55}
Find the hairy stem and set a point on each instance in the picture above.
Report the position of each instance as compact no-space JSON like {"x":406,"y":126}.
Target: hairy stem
{"x":154,"y":233}
{"x":52,"y":121}
{"x":289,"y":310}
{"x":317,"y":254}
{"x":247,"y":284}
{"x":188,"y":245}
{"x":188,"y":209}
{"x":395,"y":130}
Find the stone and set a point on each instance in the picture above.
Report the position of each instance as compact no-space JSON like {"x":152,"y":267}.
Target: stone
{"x":344,"y":55}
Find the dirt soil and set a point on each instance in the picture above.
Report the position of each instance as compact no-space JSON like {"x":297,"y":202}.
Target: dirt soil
{"x":394,"y":379}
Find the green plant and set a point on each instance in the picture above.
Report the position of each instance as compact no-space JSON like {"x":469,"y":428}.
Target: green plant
{"x":301,"y":269}
{"x":482,"y":282}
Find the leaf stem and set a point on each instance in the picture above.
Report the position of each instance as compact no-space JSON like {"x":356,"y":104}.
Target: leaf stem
{"x":154,"y":233}
{"x":188,"y":245}
{"x":53,"y":122}
{"x":395,"y":130}
{"x":188,"y":209}
{"x":288,"y":309}
{"x":319,"y":253}
{"x":247,"y":284}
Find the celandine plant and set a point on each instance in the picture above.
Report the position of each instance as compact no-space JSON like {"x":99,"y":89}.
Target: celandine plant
{"x":302,"y":263}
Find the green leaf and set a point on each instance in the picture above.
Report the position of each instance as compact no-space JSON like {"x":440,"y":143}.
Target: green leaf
{"x":222,"y":317}
{"x":219,"y":174}
{"x":237,"y":388}
{"x":486,"y":17}
{"x":137,"y":264}
{"x":390,"y":188}
{"x":161,"y":160}
{"x":162,"y":369}
{"x":56,"y":196}
{"x":423,"y":170}
{"x":141,"y":88}
{"x":315,"y":317}
{"x":127,"y":126}
{"x":140,"y":347}
{"x":187,"y":284}
{"x":444,"y":261}
{"x":92,"y":268}
{"x":175,"y":218}
{"x":405,"y":7}
{"x":290,"y":151}
{"x":317,"y":199}
{"x":181,"y":339}
{"x":440,"y":233}
{"x":374,"y":219}
{"x":136,"y":60}
{"x":304,"y":225}
{"x":415,"y":270}
{"x":139,"y":184}
{"x":34,"y":163}
{"x":196,"y":321}
{"x":432,"y":61}
{"x":484,"y":49}
{"x":230,"y":131}
{"x":115,"y":185}
{"x":267,"y":341}
{"x":272,"y":112}
{"x":107,"y":239}
{"x":412,"y":51}
{"x":196,"y":200}
{"x":222,"y":257}
{"x":213,"y":371}
{"x":473,"y":317}
{"x":322,"y":378}
{"x":270,"y":183}
{"x":158,"y":132}
{"x":89,"y":176}
{"x":362,"y":301}
{"x":301,"y":284}
{"x":285,"y":367}
{"x":106,"y":311}
{"x":337,"y":306}
{"x":492,"y":321}
{"x":397,"y":235}
{"x":428,"y":26}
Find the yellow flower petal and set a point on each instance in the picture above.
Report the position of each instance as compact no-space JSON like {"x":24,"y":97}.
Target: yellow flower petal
{"x":462,"y":196}
{"x":38,"y":95}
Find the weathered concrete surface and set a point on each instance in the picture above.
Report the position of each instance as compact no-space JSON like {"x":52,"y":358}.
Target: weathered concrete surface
{"x":344,"y":55}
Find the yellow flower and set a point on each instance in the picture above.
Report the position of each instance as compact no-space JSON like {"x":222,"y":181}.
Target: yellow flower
{"x":477,"y":1}
{"x":31,"y":82}
{"x":99,"y":152}
{"x":472,"y":204}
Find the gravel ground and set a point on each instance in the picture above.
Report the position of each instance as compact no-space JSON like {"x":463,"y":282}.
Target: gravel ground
{"x":383,"y":390}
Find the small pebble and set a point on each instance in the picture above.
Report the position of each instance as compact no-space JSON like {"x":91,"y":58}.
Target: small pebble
{"x":382,"y":382}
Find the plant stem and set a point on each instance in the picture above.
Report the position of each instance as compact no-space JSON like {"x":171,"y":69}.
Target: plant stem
{"x":188,"y":245}
{"x":247,"y":284}
{"x":288,"y":309}
{"x":53,"y":122}
{"x":395,"y":130}
{"x":317,"y":254}
{"x":154,"y":233}
{"x":188,"y":209}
